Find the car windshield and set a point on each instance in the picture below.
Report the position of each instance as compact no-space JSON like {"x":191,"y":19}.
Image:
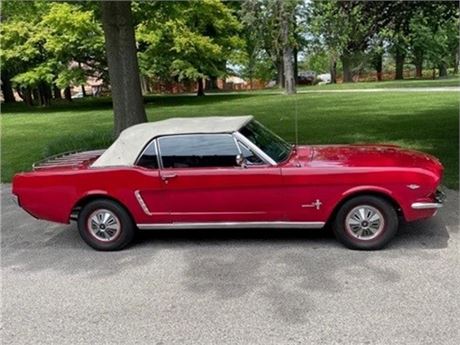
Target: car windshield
{"x":274,"y":146}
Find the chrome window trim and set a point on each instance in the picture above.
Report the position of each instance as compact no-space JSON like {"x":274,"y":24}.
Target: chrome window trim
{"x":154,"y":141}
{"x":254,"y":148}
{"x":239,"y":142}
{"x":232,"y":225}
{"x":158,"y":147}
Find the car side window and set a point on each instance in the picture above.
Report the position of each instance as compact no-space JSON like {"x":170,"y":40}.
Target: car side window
{"x":198,"y":151}
{"x":149,"y":158}
{"x":250,"y":157}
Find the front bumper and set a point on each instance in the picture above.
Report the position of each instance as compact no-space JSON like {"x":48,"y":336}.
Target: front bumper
{"x":438,"y":202}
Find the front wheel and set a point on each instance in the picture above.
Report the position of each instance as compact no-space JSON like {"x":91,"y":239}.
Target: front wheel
{"x":366,"y":222}
{"x":105,"y":225}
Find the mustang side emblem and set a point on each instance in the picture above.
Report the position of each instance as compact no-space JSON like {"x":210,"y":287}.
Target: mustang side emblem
{"x":316,"y":204}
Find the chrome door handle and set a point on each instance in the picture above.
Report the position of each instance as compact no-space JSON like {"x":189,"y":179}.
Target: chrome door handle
{"x":166,"y":177}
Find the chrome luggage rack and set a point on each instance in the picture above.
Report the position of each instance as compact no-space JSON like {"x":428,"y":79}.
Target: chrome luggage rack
{"x":66,"y":159}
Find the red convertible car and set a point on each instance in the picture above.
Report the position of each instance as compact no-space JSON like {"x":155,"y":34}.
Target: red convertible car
{"x":216,"y":172}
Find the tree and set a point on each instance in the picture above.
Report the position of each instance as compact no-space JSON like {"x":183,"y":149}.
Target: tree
{"x":419,"y":42}
{"x":21,"y":50}
{"x":48,"y":46}
{"x":188,"y":40}
{"x":341,"y":26}
{"x":75,"y":43}
{"x":327,"y":28}
{"x":120,"y":46}
{"x":287,"y":13}
{"x":261,"y":17}
{"x":433,"y":36}
{"x":347,"y":28}
{"x":254,"y":60}
{"x":274,"y":24}
{"x":376,"y":56}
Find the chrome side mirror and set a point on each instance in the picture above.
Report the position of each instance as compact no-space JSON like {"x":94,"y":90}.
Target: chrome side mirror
{"x":240,"y":161}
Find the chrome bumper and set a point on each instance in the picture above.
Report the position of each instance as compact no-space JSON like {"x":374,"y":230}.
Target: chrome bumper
{"x":437,"y":202}
{"x":425,"y":205}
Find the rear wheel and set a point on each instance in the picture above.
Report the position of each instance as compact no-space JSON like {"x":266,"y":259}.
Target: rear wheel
{"x":366,"y":222}
{"x":105,"y":225}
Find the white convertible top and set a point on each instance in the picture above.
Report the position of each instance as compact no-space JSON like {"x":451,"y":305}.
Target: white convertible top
{"x":124,"y":151}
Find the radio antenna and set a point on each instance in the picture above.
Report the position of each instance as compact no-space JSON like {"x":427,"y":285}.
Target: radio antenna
{"x":296,"y":121}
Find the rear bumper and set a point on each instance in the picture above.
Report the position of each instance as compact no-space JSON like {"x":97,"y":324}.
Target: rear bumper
{"x":15,"y":199}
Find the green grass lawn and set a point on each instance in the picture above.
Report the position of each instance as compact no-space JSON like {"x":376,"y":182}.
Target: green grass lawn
{"x":388,"y":84}
{"x":422,"y":121}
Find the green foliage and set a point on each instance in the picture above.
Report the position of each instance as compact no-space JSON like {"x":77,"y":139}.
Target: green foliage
{"x":187,"y":39}
{"x":261,"y":20}
{"x":56,"y":42}
{"x":34,"y":76}
{"x":21,"y":47}
{"x":317,"y":61}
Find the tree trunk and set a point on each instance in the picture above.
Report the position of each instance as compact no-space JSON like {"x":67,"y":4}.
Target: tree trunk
{"x":456,"y":61}
{"x":144,"y":85}
{"x":288,"y":66}
{"x":333,"y":70}
{"x":7,"y":89}
{"x":213,"y":83}
{"x":56,"y":92}
{"x":120,"y":46}
{"x":289,"y":80}
{"x":26,"y":95}
{"x":36,"y":96}
{"x":418,"y":62}
{"x":442,"y":70}
{"x":49,"y":93}
{"x":347,"y":68}
{"x":418,"y":70}
{"x":378,"y":64}
{"x":68,"y":94}
{"x":83,"y":91}
{"x":200,"y":91}
{"x":296,"y":66}
{"x":399,"y":60}
{"x":280,"y":74}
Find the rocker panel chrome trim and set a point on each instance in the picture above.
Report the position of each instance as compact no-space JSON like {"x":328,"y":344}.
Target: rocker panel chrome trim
{"x":232,"y":225}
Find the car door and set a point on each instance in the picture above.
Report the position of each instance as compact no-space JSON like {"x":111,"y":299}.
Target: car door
{"x":204,"y":183}
{"x":149,"y":187}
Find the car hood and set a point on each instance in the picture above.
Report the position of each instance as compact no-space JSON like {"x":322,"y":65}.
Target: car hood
{"x":366,"y":156}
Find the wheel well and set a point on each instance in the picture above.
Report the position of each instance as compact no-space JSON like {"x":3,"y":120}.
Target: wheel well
{"x":89,"y":198}
{"x":381,"y":195}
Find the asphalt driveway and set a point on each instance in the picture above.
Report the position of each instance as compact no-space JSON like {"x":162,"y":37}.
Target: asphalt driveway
{"x":229,"y":287}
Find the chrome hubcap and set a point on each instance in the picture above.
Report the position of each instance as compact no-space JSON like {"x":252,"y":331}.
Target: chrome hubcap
{"x":364,"y":222}
{"x":104,"y":225}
